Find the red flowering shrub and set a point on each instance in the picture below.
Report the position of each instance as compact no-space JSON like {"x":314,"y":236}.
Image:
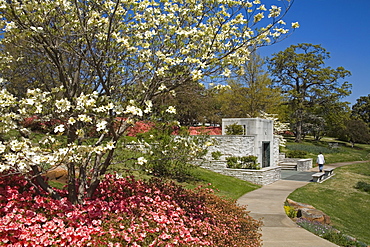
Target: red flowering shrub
{"x":145,"y":126}
{"x":201,"y":130}
{"x":34,"y":123}
{"x":124,"y":212}
{"x":140,"y":127}
{"x":205,"y":130}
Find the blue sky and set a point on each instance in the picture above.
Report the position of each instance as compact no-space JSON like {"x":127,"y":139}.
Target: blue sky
{"x":342,"y":27}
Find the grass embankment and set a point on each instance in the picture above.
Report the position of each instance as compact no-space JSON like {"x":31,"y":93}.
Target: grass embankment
{"x":347,"y":206}
{"x":224,"y":186}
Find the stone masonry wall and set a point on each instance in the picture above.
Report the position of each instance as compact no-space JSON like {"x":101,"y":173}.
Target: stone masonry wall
{"x":232,"y":146}
{"x":276,"y":152}
{"x":263,"y":176}
{"x":304,"y":164}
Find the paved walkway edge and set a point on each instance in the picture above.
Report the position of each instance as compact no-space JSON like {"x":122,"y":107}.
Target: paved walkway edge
{"x":278,"y":230}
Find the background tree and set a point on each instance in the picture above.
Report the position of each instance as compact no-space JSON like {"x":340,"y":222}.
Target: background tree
{"x":335,"y":115}
{"x":300,"y":73}
{"x":326,"y":119}
{"x":128,"y":53}
{"x":24,"y":72}
{"x":355,"y":131}
{"x":249,"y":93}
{"x":361,"y":110}
{"x":193,"y":102}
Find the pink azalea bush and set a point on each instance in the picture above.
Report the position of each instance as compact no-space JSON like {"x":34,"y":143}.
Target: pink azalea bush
{"x":123,"y":212}
{"x":205,"y":130}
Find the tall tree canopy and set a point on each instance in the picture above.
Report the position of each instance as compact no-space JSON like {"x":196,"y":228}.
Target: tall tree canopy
{"x":355,"y":131}
{"x":301,"y":74}
{"x":127,"y":53}
{"x":361,"y":110}
{"x":249,"y":93}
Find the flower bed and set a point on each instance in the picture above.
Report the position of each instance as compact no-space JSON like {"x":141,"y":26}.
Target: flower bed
{"x":124,"y":212}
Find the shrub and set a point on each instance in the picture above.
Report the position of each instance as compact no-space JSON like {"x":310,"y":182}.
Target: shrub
{"x":363,"y":186}
{"x":171,"y":156}
{"x":290,"y":211}
{"x":234,"y":129}
{"x":245,"y":162}
{"x":124,"y":212}
{"x":216,"y":155}
{"x":35,"y":124}
{"x":296,"y":154}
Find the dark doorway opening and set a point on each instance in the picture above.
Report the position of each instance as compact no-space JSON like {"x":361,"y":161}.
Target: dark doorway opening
{"x":265,"y":154}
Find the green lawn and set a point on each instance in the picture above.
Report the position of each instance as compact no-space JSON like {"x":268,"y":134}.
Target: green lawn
{"x":223,"y":185}
{"x":348,"y":207}
{"x":343,"y":153}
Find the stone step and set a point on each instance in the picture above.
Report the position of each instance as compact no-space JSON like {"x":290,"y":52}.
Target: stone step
{"x":288,"y":166}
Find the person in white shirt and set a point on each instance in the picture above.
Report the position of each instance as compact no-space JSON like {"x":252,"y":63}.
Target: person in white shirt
{"x":320,"y":161}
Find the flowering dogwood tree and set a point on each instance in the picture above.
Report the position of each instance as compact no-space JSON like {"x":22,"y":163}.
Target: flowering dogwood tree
{"x":111,"y":58}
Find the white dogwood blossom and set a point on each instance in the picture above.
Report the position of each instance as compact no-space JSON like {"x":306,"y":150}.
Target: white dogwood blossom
{"x":131,"y":109}
{"x":84,"y":118}
{"x":141,"y":161}
{"x":171,"y":110}
{"x":274,"y":11}
{"x":60,"y":128}
{"x":110,"y":145}
{"x":71,"y":121}
{"x":21,"y":154}
{"x":101,"y":125}
{"x":295,"y":25}
{"x":62,"y":105}
{"x":149,"y":106}
{"x":258,"y":17}
{"x":2,"y":147}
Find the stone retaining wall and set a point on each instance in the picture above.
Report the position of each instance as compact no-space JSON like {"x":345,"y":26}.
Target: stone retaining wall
{"x":263,"y":176}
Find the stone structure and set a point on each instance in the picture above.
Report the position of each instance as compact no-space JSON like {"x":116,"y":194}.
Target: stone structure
{"x":258,"y":140}
{"x":263,"y":176}
{"x":261,"y":130}
{"x":296,"y":164}
{"x":304,"y":164}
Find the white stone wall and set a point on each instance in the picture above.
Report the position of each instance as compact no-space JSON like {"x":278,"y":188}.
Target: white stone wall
{"x":240,"y":146}
{"x":232,"y":146}
{"x":263,"y":176}
{"x":304,"y":164}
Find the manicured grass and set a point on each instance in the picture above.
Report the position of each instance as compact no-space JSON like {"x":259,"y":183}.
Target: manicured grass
{"x":347,"y":206}
{"x":226,"y":186}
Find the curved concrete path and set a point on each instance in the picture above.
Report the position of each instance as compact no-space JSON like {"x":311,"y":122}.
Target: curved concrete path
{"x":267,"y":204}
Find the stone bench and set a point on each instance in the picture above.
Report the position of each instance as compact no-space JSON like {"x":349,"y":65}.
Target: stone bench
{"x":329,"y":172}
{"x":318,"y":177}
